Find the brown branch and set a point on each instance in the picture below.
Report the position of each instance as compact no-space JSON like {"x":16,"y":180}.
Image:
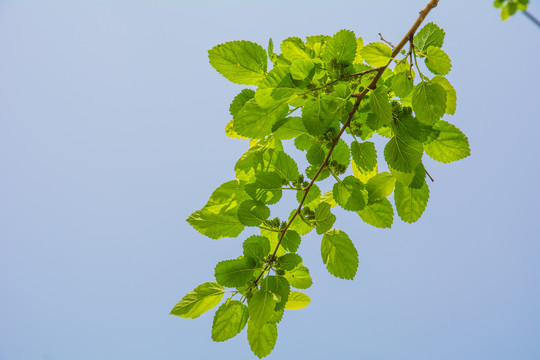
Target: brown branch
{"x":432,"y":180}
{"x":386,"y":41}
{"x":372,"y":85}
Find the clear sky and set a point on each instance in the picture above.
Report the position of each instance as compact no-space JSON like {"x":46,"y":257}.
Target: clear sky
{"x":111,"y":134}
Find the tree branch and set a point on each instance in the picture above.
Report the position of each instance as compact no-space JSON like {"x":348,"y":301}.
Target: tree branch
{"x":372,"y":85}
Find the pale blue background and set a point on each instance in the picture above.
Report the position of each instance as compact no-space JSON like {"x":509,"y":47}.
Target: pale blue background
{"x":111,"y":134}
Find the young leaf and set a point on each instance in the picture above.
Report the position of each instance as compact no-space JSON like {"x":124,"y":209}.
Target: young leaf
{"x":450,"y":145}
{"x":429,"y":35}
{"x":293,"y":48}
{"x":215,"y":226}
{"x":379,"y":214}
{"x":297,"y":300}
{"x":299,"y":277}
{"x":341,"y":47}
{"x":230,"y":319}
{"x":437,"y":61}
{"x":240,"y":100}
{"x":266,"y":188}
{"x":324,"y":219}
{"x":380,"y":186}
{"x":378,"y":101}
{"x":350,"y":194}
{"x":261,"y":307}
{"x":233,"y":273}
{"x":276,"y":89}
{"x":262,"y":339}
{"x":451,"y":97}
{"x":252,"y":213}
{"x":364,"y":155}
{"x":255,"y":122}
{"x":256,"y":247}
{"x":410,"y":203}
{"x":203,"y":298}
{"x":376,"y":54}
{"x":289,"y":128}
{"x":429,"y":102}
{"x":339,"y":254}
{"x":242,"y":62}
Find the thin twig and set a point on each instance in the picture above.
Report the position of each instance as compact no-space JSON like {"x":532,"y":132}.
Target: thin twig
{"x":386,"y":41}
{"x":353,"y":75}
{"x":532,"y":18}
{"x":372,"y":85}
{"x":430,"y":178}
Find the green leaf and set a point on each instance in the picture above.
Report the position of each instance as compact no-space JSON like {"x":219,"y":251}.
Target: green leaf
{"x":376,"y":54}
{"x":256,"y":247}
{"x":290,"y":261}
{"x":227,"y":198}
{"x":266,"y":188}
{"x":429,"y":102}
{"x":233,"y":273}
{"x":302,"y":69}
{"x":261,"y":307}
{"x":273,"y":237}
{"x":350,"y":194}
{"x":437,"y":61}
{"x":379,"y":214}
{"x":297,"y":300}
{"x":364,"y":155}
{"x":324,"y":219}
{"x":451,"y":97}
{"x":240,"y":100}
{"x":401,"y":84}
{"x":230,"y":319}
{"x":203,"y":298}
{"x":429,"y":35}
{"x":450,"y":145}
{"x":242,"y":62}
{"x":252,"y":213}
{"x":410,"y":203}
{"x":317,"y":114}
{"x":279,"y":286}
{"x":289,"y":128}
{"x":380,"y":186}
{"x":253,"y":160}
{"x":299,"y":277}
{"x":313,"y":194}
{"x":276,"y":89}
{"x":498,"y":3}
{"x":261,"y":339}
{"x":341,"y":47}
{"x":378,"y":101}
{"x":293,"y":48}
{"x":316,"y":154}
{"x":218,"y":218}
{"x":215,"y":226}
{"x":508,"y":10}
{"x":291,"y":241}
{"x":281,"y":163}
{"x":255,"y":122}
{"x":403,"y":153}
{"x":299,"y":225}
{"x":339,"y":254}
{"x":278,"y":315}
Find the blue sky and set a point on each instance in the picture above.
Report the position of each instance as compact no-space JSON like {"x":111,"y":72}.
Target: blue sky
{"x":111,"y":134}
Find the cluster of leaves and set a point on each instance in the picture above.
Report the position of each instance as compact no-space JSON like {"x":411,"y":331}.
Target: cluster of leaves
{"x":318,"y":92}
{"x":509,"y":7}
